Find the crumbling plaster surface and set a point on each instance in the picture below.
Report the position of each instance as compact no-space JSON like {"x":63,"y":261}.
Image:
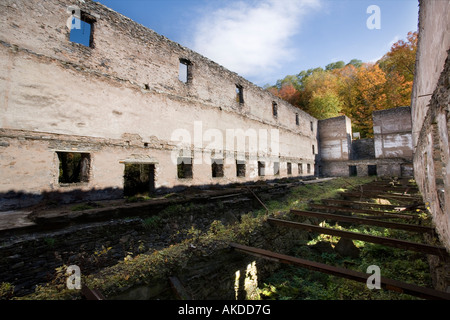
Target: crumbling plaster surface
{"x":433,"y":43}
{"x":335,"y":138}
{"x":430,"y":113}
{"x":122,"y":98}
{"x":392,"y":133}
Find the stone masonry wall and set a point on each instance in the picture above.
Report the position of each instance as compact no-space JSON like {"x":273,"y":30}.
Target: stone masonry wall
{"x":430,"y":113}
{"x":121,"y":100}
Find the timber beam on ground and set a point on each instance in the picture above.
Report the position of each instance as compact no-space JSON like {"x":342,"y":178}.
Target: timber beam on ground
{"x":386,"y":283}
{"x":364,"y":211}
{"x":364,"y":221}
{"x":371,"y":195}
{"x":380,"y":194}
{"x":413,"y":246}
{"x":373,"y":205}
{"x":394,"y":190}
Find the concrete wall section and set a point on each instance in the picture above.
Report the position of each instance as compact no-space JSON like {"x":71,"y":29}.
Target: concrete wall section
{"x":120,"y":100}
{"x":392,"y":133}
{"x":433,"y":42}
{"x":335,"y":138}
{"x":430,"y":113}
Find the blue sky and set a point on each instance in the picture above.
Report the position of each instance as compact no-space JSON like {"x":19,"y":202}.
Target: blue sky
{"x":265,"y":40}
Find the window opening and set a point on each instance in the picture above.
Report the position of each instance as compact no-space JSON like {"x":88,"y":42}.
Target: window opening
{"x":184,"y":168}
{"x":217,"y":168}
{"x":240,"y":168}
{"x":184,"y":74}
{"x":81,"y":30}
{"x":276,"y":168}
{"x":139,"y":178}
{"x":261,"y":168}
{"x":74,"y":167}
{"x":239,"y":94}
{"x":275,"y":109}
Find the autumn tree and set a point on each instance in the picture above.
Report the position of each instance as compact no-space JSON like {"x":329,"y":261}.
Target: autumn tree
{"x":355,"y":89}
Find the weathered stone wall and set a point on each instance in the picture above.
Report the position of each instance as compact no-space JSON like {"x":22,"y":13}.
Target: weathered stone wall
{"x":430,"y":113}
{"x":121,"y":100}
{"x":392,"y":133}
{"x":388,"y":154}
{"x":433,"y":43}
{"x":432,"y":158}
{"x":335,"y":138}
{"x":363,"y":149}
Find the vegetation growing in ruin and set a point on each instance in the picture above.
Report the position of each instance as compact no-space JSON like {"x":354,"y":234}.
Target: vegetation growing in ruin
{"x":355,"y":89}
{"x":288,"y":282}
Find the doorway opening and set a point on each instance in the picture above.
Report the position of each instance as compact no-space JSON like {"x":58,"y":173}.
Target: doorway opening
{"x":139,"y":179}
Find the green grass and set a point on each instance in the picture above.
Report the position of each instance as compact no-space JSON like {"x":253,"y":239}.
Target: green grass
{"x":292,"y":283}
{"x":288,"y":282}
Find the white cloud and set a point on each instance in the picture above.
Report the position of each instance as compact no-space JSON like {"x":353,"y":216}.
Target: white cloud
{"x":252,"y":38}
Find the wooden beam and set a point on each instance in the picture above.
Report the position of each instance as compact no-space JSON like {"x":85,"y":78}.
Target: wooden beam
{"x":404,"y":207}
{"x":92,"y":294}
{"x":371,"y":195}
{"x":386,"y":283}
{"x":365,"y":211}
{"x":418,"y":247}
{"x":370,"y":222}
{"x":179,"y":289}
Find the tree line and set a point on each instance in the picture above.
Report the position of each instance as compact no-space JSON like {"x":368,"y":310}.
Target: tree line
{"x":354,"y":89}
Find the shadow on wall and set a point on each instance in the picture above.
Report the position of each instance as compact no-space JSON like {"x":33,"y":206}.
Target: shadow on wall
{"x":13,"y":200}
{"x":18,"y":199}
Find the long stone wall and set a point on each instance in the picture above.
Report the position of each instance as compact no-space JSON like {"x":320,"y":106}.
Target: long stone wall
{"x":122,"y":99}
{"x":430,"y":113}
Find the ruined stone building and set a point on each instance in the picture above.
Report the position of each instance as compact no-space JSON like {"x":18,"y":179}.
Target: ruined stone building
{"x":94,"y":105}
{"x":389,"y":153}
{"x":430,"y":112}
{"x":110,"y":107}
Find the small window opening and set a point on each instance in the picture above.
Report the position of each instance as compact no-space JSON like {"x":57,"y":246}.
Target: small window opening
{"x":239,"y":94}
{"x":240,"y":168}
{"x":308,"y":168}
{"x":275,"y":109}
{"x":276,"y":168}
{"x":372,"y":170}
{"x":184,"y":74}
{"x":312,"y":125}
{"x":300,"y":168}
{"x":74,"y":167}
{"x":352,"y":171}
{"x":81,"y":30}
{"x":184,"y":168}
{"x":289,"y":168}
{"x":217,"y":168}
{"x":313,"y":150}
{"x":261,"y":168}
{"x":297,"y":121}
{"x":139,"y":179}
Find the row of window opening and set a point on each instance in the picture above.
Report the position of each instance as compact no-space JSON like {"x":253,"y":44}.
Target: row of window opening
{"x":82,"y":32}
